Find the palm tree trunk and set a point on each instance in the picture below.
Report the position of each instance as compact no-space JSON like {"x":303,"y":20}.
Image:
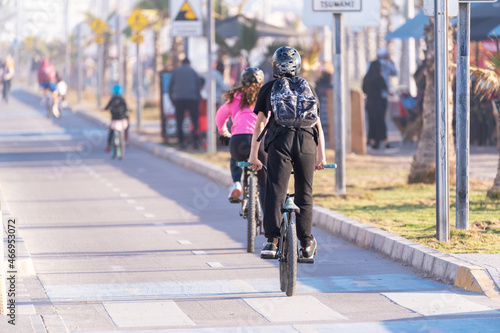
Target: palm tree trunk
{"x":423,"y":167}
{"x":494,"y":191}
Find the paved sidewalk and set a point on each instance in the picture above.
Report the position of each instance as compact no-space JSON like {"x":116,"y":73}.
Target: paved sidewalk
{"x":477,"y":273}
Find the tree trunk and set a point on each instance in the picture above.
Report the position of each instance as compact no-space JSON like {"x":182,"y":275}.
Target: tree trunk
{"x":494,"y":191}
{"x":423,"y":168}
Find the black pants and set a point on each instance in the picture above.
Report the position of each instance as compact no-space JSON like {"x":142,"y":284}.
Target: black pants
{"x":6,"y":90}
{"x":376,"y":110}
{"x":294,"y":149}
{"x":239,"y":146}
{"x":193,"y":106}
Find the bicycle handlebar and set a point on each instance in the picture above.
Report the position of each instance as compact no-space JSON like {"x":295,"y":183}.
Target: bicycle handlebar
{"x":326,"y":166}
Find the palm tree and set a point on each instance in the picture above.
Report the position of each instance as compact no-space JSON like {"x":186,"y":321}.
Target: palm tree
{"x":162,"y":9}
{"x":486,"y":84}
{"x":423,"y":167}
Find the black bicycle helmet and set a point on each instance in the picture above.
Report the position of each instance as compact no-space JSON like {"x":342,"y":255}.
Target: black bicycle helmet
{"x":252,"y":75}
{"x":286,"y":62}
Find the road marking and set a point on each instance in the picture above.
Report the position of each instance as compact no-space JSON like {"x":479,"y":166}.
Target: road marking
{"x":438,"y":303}
{"x":139,"y":208}
{"x":171,"y":232}
{"x":116,"y":268}
{"x":130,"y":201}
{"x":199,"y":253}
{"x":214,"y":264}
{"x":149,"y":216}
{"x":147,"y":314}
{"x":116,"y":189}
{"x":292,"y":309}
{"x":184,"y":242}
{"x":124,"y":195}
{"x":108,"y":184}
{"x":171,"y":289}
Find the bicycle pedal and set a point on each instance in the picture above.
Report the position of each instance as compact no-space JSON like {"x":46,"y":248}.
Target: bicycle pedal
{"x":234,"y":201}
{"x":306,"y":260}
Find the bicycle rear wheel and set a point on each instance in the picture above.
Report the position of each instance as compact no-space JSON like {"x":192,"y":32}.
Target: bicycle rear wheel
{"x":113,"y":146}
{"x":292,"y":255}
{"x":120,"y":145}
{"x":252,"y":212}
{"x":282,"y":248}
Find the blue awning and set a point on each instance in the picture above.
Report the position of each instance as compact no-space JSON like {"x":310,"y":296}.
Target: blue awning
{"x":413,"y":28}
{"x":495,"y":32}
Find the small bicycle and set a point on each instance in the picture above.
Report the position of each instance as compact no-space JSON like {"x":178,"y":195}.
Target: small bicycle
{"x":251,"y":205}
{"x":117,"y":144}
{"x":49,"y":104}
{"x":288,"y":252}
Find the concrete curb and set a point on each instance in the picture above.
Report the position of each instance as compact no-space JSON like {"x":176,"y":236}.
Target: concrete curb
{"x":437,"y":265}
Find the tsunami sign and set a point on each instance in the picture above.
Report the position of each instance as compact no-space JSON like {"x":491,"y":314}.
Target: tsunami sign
{"x":337,"y":6}
{"x":186,"y":18}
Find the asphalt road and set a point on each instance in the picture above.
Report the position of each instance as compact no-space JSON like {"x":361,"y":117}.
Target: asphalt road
{"x":142,"y":245}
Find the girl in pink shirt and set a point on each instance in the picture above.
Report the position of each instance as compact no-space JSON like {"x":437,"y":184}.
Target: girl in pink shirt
{"x":239,"y":106}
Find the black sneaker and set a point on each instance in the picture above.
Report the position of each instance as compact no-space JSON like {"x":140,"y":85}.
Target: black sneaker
{"x":310,"y":250}
{"x":269,"y":251}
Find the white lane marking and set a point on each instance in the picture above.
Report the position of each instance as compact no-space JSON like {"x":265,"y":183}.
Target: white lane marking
{"x":124,"y":195}
{"x":184,"y":242}
{"x":214,"y":264}
{"x":139,"y":208}
{"x":116,"y":268}
{"x":130,"y":201}
{"x":149,"y":216}
{"x":25,"y":309}
{"x":292,"y":309}
{"x":116,"y":189}
{"x":438,"y":303}
{"x":199,"y":253}
{"x":147,"y":314}
{"x":108,"y":184}
{"x":171,"y":232}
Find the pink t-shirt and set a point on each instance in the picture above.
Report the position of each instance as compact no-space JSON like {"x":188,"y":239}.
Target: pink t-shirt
{"x":243,"y":120}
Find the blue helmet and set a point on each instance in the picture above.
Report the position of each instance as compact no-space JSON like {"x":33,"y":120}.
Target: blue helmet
{"x":117,"y":90}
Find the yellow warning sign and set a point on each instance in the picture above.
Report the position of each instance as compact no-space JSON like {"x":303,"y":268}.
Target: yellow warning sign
{"x":137,"y":20}
{"x":99,"y":39}
{"x":186,"y":13}
{"x":137,"y":38}
{"x":98,"y":26}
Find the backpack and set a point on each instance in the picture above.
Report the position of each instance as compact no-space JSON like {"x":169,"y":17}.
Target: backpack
{"x":294,"y":103}
{"x":48,"y":73}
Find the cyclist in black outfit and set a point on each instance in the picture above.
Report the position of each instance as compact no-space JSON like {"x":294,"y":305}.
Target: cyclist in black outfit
{"x":302,"y":149}
{"x":118,"y":108}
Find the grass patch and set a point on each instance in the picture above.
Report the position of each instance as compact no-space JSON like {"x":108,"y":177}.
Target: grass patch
{"x":382,"y":198}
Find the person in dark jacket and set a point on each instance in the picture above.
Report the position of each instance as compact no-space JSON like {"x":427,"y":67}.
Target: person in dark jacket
{"x":118,"y":108}
{"x":184,"y":91}
{"x":375,"y":88}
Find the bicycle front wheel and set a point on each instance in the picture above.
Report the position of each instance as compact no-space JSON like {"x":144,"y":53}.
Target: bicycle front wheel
{"x":252,"y":212}
{"x":292,"y":256}
{"x":113,"y":144}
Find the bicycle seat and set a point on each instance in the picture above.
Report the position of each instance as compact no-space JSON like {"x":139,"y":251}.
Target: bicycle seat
{"x":290,"y":206}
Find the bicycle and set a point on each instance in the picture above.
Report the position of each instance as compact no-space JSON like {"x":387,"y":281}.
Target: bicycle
{"x":117,"y":142}
{"x":251,"y":205}
{"x":288,"y":252}
{"x":49,"y":104}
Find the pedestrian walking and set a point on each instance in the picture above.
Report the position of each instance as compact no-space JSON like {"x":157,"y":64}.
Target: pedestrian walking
{"x":375,"y":89}
{"x":7,"y":74}
{"x":294,"y":140}
{"x":239,"y":107}
{"x":184,"y":91}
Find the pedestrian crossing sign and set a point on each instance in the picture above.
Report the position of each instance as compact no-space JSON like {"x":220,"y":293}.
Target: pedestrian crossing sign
{"x":186,"y":13}
{"x":186,"y":18}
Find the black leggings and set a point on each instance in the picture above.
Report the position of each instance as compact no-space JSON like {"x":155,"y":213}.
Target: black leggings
{"x":239,"y":146}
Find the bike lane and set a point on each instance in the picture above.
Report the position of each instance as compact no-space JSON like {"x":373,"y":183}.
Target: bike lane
{"x":145,"y":245}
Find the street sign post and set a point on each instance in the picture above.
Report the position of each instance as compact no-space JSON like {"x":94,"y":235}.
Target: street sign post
{"x":339,"y":80}
{"x":138,"y":21}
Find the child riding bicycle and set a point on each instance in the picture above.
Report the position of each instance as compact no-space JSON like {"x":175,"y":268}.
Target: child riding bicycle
{"x":119,"y":117}
{"x":295,"y":140}
{"x":239,"y":106}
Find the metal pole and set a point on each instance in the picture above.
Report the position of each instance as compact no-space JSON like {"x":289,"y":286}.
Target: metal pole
{"x":463,"y":117}
{"x":441,"y":78}
{"x":79,"y":63}
{"x":409,"y":54}
{"x":139,"y":88}
{"x":66,"y":32}
{"x":211,"y":143}
{"x":338,"y":100}
{"x":18,"y":36}
{"x":100,"y":50}
{"x":119,"y":45}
